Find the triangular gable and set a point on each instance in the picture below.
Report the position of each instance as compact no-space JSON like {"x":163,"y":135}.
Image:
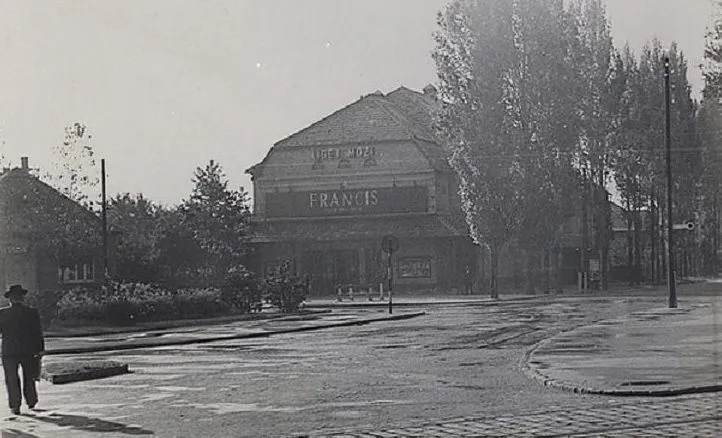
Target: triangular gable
{"x":369,"y":119}
{"x":48,"y":201}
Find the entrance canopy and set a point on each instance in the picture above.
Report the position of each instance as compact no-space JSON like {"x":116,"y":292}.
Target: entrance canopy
{"x":356,"y":229}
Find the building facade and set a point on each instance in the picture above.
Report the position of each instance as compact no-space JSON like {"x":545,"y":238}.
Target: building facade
{"x":47,"y":241}
{"x":326,"y":196}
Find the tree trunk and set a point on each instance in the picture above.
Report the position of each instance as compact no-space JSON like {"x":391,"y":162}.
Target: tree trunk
{"x":548,"y":266}
{"x":494,"y":262}
{"x":530,"y":282}
{"x":663,"y":244}
{"x":583,"y":264}
{"x":559,"y":263}
{"x":630,"y":242}
{"x":653,"y":240}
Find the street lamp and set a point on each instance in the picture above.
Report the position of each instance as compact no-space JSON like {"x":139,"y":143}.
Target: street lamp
{"x":670,"y":236}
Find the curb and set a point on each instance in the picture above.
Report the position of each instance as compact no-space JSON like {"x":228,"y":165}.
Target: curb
{"x":121,"y":347}
{"x":179,"y":323}
{"x":359,"y":304}
{"x":533,"y":373}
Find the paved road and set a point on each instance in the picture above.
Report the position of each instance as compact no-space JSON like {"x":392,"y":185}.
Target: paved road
{"x":457,"y":361}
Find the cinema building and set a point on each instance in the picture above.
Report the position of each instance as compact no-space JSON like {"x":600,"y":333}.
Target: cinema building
{"x":325,"y":197}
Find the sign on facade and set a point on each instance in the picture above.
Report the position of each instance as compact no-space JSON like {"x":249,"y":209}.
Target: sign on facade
{"x":323,"y":154}
{"x":321,"y":203}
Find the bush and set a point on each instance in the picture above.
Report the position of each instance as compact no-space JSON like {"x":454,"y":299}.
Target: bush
{"x":199,"y":303}
{"x":130,"y":303}
{"x":286,"y":290}
{"x":243,"y":290}
{"x":46,"y":303}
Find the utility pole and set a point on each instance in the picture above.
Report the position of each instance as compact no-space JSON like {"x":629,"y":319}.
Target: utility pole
{"x":105,"y":222}
{"x":670,"y":233}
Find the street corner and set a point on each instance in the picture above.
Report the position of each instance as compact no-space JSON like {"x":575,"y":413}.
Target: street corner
{"x":657,"y":352}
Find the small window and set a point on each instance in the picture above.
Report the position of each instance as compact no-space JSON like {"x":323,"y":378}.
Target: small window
{"x":414,"y":267}
{"x":77,"y":273}
{"x":344,"y":163}
{"x":370,"y":162}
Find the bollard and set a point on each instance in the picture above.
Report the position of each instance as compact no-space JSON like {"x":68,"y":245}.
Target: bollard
{"x":350,"y":292}
{"x":340,"y":295}
{"x":371,"y":290}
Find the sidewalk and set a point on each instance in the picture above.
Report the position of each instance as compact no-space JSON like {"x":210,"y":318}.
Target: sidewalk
{"x":244,"y":329}
{"x":660,"y":352}
{"x":415,"y":300}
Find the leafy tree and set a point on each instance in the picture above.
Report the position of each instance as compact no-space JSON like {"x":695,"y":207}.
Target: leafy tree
{"x":473,"y":44}
{"x":138,"y":221}
{"x":219,"y":219}
{"x":600,"y":90}
{"x":509,"y":118}
{"x":73,"y":171}
{"x":712,"y":68}
{"x":181,"y":260}
{"x":709,"y":121}
{"x":629,"y":162}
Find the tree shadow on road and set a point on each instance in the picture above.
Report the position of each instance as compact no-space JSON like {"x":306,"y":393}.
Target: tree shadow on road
{"x":88,"y":424}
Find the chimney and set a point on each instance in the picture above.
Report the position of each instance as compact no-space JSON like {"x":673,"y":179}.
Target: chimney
{"x":24,"y":163}
{"x":430,"y":91}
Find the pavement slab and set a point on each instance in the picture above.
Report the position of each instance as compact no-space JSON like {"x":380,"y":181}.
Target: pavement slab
{"x":657,"y":352}
{"x":695,"y":415}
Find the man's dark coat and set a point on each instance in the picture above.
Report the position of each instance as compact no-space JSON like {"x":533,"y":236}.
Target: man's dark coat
{"x":22,"y":334}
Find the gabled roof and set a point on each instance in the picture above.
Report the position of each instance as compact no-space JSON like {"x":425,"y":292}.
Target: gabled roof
{"x":46,"y":199}
{"x":371,"y":118}
{"x":401,"y":115}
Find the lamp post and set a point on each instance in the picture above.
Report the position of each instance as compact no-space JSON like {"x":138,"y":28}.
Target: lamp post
{"x":105,"y":222}
{"x":672,"y":287}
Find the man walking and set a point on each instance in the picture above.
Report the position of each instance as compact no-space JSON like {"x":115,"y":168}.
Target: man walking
{"x":22,"y":346}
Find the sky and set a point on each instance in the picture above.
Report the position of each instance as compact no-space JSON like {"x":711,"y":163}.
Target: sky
{"x":164,"y":86}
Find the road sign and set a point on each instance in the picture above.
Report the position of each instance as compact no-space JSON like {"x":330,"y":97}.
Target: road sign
{"x":390,"y":243}
{"x":689,"y":226}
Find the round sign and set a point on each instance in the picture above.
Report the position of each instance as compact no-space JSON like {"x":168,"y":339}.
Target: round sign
{"x":389,"y":243}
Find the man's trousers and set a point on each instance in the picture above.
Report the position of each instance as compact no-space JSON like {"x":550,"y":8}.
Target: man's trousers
{"x":29,"y":367}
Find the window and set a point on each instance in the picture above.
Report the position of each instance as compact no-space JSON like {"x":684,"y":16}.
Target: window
{"x":415,"y":267}
{"x":344,"y":163}
{"x":77,"y":273}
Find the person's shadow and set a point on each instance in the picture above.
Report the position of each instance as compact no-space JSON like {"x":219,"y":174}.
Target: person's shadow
{"x":80,"y":422}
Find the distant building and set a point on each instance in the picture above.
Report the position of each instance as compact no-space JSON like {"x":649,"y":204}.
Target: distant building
{"x":47,"y":241}
{"x":325,"y":197}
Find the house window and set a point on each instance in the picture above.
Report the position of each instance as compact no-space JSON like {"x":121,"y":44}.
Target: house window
{"x":77,"y":273}
{"x":415,"y":267}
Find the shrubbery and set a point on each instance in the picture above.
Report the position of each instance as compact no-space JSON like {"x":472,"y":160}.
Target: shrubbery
{"x":128,"y":303}
{"x":286,"y":290}
{"x":243,"y":290}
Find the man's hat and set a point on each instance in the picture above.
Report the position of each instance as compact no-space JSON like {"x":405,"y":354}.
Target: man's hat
{"x":15,"y":289}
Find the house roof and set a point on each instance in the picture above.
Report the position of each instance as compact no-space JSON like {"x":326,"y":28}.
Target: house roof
{"x":402,"y":114}
{"x":23,"y":197}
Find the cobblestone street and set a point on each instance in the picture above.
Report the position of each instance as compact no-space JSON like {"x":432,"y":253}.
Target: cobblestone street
{"x":698,"y":416}
{"x":453,"y":371}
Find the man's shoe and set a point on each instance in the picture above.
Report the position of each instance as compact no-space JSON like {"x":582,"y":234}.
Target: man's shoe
{"x":32,"y":406}
{"x":16,"y":411}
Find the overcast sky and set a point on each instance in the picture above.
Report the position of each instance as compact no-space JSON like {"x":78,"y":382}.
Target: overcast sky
{"x":166,"y":85}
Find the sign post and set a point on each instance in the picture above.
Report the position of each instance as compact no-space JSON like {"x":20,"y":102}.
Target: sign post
{"x":390,"y":244}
